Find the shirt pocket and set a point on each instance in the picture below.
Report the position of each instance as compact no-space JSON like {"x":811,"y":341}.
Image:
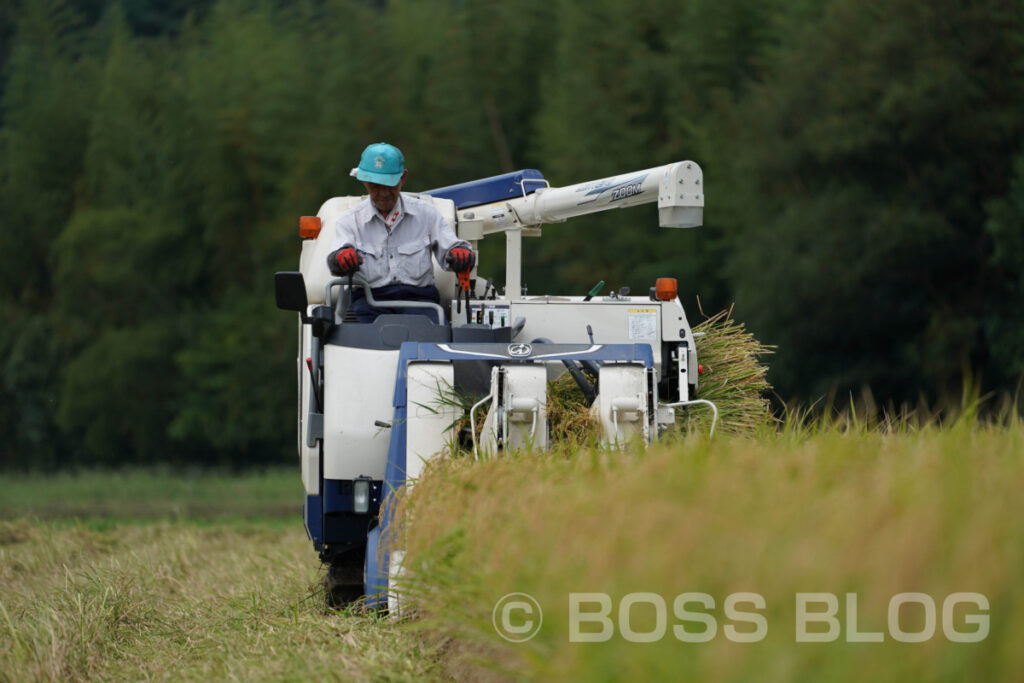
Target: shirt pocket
{"x":374,"y":265}
{"x":414,"y":262}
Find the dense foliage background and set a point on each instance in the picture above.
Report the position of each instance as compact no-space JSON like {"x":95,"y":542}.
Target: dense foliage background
{"x":864,"y":164}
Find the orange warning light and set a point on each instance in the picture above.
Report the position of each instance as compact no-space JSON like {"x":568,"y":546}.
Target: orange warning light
{"x":309,"y":227}
{"x":666,"y":288}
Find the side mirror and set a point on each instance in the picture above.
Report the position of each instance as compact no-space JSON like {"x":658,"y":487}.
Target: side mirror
{"x":290,"y":292}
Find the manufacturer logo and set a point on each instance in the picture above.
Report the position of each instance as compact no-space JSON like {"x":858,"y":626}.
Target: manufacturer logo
{"x":617,"y":188}
{"x":378,"y":162}
{"x":626,"y":191}
{"x":519,"y":350}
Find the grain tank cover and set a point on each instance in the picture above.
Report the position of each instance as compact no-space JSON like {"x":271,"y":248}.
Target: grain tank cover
{"x":494,"y":189}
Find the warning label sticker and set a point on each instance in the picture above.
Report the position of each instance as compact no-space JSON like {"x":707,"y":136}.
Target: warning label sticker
{"x":643,"y":324}
{"x":500,"y":217}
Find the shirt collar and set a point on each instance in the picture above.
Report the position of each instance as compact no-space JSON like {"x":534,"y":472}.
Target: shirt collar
{"x":400,"y":210}
{"x":391,"y":220}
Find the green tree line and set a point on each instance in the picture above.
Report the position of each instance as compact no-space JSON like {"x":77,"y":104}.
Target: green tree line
{"x":864,"y":166}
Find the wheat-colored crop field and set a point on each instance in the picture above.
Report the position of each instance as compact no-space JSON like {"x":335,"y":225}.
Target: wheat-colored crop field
{"x":159,"y":576}
{"x":843,"y":552}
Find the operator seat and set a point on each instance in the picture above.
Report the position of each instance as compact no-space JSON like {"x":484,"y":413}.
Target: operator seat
{"x":313,"y":262}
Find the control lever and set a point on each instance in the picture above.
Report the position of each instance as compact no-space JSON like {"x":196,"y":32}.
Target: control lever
{"x":464,"y":286}
{"x":593,"y":292}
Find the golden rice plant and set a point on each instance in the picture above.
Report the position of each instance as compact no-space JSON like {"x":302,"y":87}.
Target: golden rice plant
{"x":733,"y":378}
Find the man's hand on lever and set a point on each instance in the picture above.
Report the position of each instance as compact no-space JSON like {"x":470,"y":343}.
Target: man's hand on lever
{"x":344,"y":261}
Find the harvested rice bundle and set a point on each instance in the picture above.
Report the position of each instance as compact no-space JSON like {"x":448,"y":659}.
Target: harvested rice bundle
{"x":734,"y":379}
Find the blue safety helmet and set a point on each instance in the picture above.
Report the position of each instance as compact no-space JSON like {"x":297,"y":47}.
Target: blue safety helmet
{"x":381,"y":163}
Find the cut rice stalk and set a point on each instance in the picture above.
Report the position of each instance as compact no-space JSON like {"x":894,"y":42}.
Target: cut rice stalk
{"x":733,"y":378}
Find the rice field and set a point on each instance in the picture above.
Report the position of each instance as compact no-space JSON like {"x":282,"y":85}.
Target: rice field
{"x":178,"y":577}
{"x":807,"y":554}
{"x":728,"y":559}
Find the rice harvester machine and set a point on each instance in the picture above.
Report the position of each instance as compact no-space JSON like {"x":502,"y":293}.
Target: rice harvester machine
{"x":371,"y":396}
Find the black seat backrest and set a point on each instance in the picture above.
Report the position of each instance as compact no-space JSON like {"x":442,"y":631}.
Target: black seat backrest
{"x":389,"y":331}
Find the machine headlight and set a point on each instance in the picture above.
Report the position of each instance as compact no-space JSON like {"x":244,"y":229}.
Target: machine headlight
{"x":361,"y":496}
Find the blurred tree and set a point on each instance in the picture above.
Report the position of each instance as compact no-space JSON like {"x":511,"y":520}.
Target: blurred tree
{"x":1004,"y":326}
{"x":160,"y":17}
{"x":607,"y":62}
{"x":122,"y":266}
{"x":714,"y":60}
{"x":238,"y":405}
{"x":8,"y":19}
{"x":118,"y":395}
{"x":46,"y":104}
{"x":29,"y":392}
{"x":249,"y":90}
{"x":342,"y":102}
{"x":863,"y":163}
{"x":48,"y":91}
{"x":865,"y":166}
{"x":631,"y":87}
{"x":432,"y":107}
{"x":511,"y":47}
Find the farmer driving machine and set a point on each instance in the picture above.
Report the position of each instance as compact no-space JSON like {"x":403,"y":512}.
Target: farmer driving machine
{"x":372,"y":408}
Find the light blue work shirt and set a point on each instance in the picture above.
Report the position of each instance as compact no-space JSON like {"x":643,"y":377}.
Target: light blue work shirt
{"x":399,"y":254}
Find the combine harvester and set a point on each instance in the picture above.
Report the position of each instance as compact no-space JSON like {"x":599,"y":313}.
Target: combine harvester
{"x":372,"y":407}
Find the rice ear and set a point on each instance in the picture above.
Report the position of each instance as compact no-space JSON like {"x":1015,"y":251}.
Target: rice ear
{"x":734,"y":378}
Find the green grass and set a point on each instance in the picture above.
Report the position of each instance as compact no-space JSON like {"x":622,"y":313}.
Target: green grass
{"x":827,"y":508}
{"x":146,"y":494}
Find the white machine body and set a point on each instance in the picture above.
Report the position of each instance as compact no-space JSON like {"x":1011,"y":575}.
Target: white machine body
{"x":370,"y":418}
{"x":355,"y":445}
{"x":517,"y":417}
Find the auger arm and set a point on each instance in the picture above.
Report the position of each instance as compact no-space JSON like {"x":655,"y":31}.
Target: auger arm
{"x":677,"y":188}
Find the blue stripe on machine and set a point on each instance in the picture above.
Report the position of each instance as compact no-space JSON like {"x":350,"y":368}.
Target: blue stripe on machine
{"x":313,"y":512}
{"x":494,"y":189}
